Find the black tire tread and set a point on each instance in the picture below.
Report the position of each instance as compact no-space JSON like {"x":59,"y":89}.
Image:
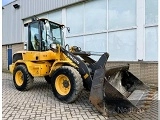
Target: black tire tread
{"x":78,"y":84}
{"x":29,"y":78}
{"x":48,"y":79}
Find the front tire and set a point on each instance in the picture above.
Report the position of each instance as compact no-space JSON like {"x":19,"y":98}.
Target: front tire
{"x":22,"y":78}
{"x":66,"y":84}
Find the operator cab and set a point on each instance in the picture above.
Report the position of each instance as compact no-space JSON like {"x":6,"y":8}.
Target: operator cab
{"x":42,"y":33}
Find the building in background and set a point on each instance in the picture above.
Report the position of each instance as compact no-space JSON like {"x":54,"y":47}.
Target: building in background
{"x":126,"y":29}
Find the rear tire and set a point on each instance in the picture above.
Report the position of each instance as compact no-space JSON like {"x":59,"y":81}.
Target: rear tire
{"x":22,"y":78}
{"x":66,"y":84}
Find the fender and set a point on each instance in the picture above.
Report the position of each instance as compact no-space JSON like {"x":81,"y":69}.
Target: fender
{"x":39,"y":68}
{"x":58,"y":64}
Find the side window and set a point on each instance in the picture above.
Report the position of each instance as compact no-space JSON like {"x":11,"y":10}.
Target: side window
{"x":34,"y":41}
{"x":57,"y":35}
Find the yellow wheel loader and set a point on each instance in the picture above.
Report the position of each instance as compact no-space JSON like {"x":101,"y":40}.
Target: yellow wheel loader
{"x":69,"y":69}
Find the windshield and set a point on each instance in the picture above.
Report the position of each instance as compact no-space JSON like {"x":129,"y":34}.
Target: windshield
{"x":56,"y":33}
{"x":51,"y":34}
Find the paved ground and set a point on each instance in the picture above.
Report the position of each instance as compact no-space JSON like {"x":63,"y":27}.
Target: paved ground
{"x":40,"y":104}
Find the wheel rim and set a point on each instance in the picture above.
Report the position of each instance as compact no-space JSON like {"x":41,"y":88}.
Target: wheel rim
{"x":62,"y":85}
{"x":19,"y":78}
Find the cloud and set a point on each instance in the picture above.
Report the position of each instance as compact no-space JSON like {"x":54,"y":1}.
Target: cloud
{"x":4,"y":2}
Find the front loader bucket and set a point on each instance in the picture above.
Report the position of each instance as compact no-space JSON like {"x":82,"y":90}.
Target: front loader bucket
{"x":115,"y":87}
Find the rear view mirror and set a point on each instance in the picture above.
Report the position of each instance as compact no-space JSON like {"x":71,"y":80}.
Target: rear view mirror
{"x":68,"y":29}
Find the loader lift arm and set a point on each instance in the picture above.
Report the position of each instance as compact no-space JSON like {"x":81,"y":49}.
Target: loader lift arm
{"x":83,"y":68}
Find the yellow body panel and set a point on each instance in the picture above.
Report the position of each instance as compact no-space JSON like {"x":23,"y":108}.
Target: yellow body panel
{"x":58,"y":64}
{"x":39,"y":56}
{"x":42,"y":63}
{"x":41,"y":68}
{"x":11,"y":67}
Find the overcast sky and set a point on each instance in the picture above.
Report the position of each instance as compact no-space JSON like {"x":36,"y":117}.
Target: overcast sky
{"x":4,"y":2}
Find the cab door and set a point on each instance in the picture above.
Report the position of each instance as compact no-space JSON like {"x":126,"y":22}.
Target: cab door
{"x":34,"y":36}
